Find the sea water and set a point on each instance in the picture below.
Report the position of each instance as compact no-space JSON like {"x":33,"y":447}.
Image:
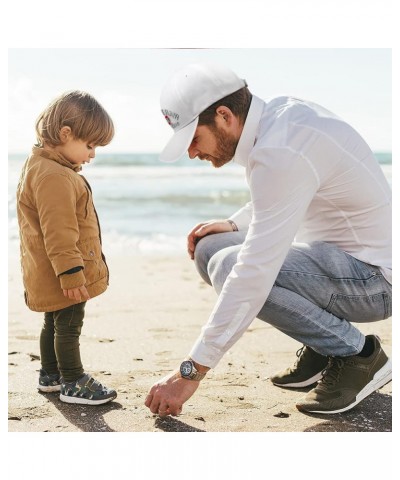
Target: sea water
{"x":146,"y":206}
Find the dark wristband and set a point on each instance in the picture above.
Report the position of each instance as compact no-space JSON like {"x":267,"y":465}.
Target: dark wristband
{"x":72,"y":270}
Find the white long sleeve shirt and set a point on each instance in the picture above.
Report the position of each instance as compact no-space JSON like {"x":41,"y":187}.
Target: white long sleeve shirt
{"x":311,"y":178}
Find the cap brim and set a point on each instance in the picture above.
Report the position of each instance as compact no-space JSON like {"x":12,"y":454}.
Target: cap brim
{"x":179,"y":143}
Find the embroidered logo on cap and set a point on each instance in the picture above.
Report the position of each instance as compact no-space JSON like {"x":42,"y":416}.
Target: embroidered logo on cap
{"x":172,"y":118}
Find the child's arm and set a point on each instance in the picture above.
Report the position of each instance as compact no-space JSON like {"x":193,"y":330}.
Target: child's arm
{"x":57,"y":199}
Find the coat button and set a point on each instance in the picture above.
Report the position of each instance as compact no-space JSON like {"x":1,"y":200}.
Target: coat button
{"x":91,"y":253}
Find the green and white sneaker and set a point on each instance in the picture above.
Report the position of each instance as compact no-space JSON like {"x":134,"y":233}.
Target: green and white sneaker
{"x":348,"y":380}
{"x":49,"y":382}
{"x":306,"y":371}
{"x":86,"y":391}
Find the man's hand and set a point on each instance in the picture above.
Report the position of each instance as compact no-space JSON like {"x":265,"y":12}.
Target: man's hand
{"x":203,"y":229}
{"x":167,"y":396}
{"x":80,"y":294}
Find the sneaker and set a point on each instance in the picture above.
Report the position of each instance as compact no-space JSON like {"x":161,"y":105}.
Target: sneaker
{"x":87,"y":391}
{"x":305,"y":372}
{"x":348,"y":380}
{"x":49,"y":382}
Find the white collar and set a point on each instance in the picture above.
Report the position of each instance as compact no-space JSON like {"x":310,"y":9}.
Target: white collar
{"x":248,"y":136}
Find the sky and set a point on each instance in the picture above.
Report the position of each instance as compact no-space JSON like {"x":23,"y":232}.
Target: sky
{"x":354,"y":83}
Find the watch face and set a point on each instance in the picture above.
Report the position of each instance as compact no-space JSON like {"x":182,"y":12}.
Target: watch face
{"x":186,"y":368}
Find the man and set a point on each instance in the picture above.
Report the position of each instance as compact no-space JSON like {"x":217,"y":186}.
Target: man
{"x":310,"y":254}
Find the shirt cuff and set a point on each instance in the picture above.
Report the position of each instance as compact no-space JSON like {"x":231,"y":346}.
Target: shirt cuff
{"x":206,"y":355}
{"x":74,"y":280}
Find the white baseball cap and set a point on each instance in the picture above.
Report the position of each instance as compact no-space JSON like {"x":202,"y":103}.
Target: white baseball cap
{"x":187,"y":93}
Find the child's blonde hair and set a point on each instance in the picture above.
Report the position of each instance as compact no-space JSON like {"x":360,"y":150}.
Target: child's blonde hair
{"x":82,"y":113}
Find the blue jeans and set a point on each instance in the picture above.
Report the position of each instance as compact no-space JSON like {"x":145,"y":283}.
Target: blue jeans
{"x":318,"y":293}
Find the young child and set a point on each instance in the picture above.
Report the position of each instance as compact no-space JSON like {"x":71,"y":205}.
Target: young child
{"x":62,"y":262}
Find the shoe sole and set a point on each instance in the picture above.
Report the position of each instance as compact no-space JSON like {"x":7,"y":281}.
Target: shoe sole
{"x":305,"y":383}
{"x":85,"y":401}
{"x":381,"y":378}
{"x":52,"y":388}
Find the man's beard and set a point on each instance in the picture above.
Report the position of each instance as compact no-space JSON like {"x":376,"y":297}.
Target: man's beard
{"x":226,"y":147}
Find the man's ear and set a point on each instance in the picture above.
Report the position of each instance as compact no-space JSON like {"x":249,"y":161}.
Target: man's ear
{"x":225,"y":114}
{"x":226,"y":120}
{"x":65,"y":134}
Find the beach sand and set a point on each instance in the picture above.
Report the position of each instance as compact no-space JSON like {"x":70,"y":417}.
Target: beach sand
{"x":141,"y":329}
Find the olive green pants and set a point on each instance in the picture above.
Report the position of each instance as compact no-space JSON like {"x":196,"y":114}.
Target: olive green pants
{"x":59,"y":342}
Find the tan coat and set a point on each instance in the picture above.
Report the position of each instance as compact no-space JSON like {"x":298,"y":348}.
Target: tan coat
{"x":59,"y":230}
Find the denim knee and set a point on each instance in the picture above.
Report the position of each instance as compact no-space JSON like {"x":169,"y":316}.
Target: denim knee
{"x":202,"y":256}
{"x":220,"y":266}
{"x":210,"y":245}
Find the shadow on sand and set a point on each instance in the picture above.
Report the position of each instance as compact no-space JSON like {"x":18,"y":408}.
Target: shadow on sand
{"x":374,"y":414}
{"x":87,"y":418}
{"x":170,"y":424}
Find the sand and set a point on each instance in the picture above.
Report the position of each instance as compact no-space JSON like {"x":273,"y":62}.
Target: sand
{"x":141,"y":329}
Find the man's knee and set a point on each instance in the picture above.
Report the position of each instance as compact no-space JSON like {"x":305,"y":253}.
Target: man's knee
{"x":202,"y":255}
{"x":210,"y":246}
{"x":220,"y":266}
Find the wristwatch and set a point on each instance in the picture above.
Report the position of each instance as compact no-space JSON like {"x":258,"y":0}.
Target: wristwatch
{"x":188,"y":371}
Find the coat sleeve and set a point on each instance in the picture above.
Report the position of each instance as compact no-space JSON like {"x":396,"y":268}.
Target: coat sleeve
{"x":56,"y":200}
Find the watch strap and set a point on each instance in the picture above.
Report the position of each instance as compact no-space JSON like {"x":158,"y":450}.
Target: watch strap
{"x":197,"y":376}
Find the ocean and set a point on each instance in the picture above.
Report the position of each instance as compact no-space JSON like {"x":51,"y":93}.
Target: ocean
{"x":148,"y":207}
